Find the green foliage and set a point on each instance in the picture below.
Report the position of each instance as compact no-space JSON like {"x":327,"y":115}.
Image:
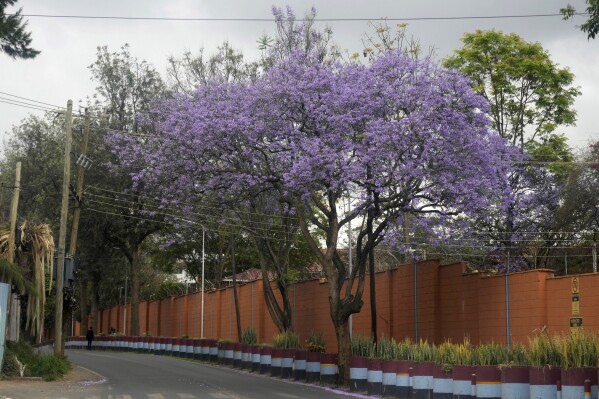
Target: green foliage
{"x":580,"y":348}
{"x":50,"y":367}
{"x":361,"y":345}
{"x":530,"y":95}
{"x":446,"y":355}
{"x":403,"y":349}
{"x":542,"y":351}
{"x":316,"y":343}
{"x":286,"y":340}
{"x":464,"y":353}
{"x":591,"y":26}
{"x":490,"y":354}
{"x":423,"y":352}
{"x":249,"y":336}
{"x":15,"y":41}
{"x":518,"y":355}
{"x":21,"y":359}
{"x":386,"y":349}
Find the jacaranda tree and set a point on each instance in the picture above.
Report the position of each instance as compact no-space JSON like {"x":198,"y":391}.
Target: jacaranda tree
{"x":399,"y":135}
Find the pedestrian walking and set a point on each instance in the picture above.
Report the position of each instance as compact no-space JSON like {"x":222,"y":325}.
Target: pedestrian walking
{"x":90,"y":338}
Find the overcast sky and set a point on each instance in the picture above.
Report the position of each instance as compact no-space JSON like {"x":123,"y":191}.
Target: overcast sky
{"x":68,"y":45}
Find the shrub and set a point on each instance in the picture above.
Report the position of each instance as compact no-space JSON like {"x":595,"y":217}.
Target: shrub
{"x":50,"y":367}
{"x":249,"y":336}
{"x":286,"y":340}
{"x":21,"y":359}
{"x":577,"y":349}
{"x":446,"y":356}
{"x":490,"y":354}
{"x":361,"y":345}
{"x":316,"y":343}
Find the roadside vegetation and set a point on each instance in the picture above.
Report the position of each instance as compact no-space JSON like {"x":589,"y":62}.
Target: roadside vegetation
{"x":21,"y":359}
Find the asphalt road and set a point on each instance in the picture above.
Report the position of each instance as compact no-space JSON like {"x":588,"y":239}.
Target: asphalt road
{"x":140,"y":376}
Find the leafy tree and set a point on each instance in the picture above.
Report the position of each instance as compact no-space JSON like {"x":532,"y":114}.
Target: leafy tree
{"x":530,"y":95}
{"x":126,"y":88}
{"x":591,"y":26}
{"x":15,"y":41}
{"x":400,"y":135}
{"x":530,"y":98}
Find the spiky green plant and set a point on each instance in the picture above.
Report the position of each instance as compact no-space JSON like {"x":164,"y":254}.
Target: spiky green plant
{"x":404,"y":349}
{"x":490,"y":354}
{"x":249,"y":336}
{"x":518,"y":355}
{"x":361,"y":345}
{"x":542,"y":351}
{"x":423,"y":352}
{"x":286,"y":340}
{"x":386,"y":348}
{"x":316,"y":343}
{"x":446,"y":355}
{"x":464,"y":353}
{"x":580,"y":348}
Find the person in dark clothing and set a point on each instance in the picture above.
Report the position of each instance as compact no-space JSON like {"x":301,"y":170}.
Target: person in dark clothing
{"x":90,"y":338}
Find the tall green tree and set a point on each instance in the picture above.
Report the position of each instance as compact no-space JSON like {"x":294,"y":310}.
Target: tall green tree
{"x":529,"y":94}
{"x":126,"y":88}
{"x":591,"y":25}
{"x":530,"y":97}
{"x":15,"y":41}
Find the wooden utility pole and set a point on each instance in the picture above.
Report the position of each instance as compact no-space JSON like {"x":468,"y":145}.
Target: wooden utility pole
{"x":79,"y":201}
{"x":79,"y":188}
{"x":62,"y":235}
{"x":14,"y":206}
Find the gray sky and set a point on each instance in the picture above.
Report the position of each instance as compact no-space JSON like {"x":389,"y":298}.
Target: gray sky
{"x":69,"y":46}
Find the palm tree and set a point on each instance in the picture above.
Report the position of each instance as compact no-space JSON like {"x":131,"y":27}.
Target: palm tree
{"x":33,"y":255}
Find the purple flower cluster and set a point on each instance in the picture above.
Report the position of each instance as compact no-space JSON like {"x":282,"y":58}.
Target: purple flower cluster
{"x":400,"y":135}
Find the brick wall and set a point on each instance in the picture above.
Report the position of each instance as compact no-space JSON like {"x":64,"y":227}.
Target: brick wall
{"x":450,"y":305}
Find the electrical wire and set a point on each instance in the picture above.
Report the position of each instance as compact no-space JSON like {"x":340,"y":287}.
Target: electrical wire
{"x":31,"y":100}
{"x":22,"y":105}
{"x":461,"y":243}
{"x":362,"y":19}
{"x":213,"y":208}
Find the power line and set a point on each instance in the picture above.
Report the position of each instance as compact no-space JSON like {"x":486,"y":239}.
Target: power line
{"x":198,"y":19}
{"x":32,"y":100}
{"x":464,"y":243}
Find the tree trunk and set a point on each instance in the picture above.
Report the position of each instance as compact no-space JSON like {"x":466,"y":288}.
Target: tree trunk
{"x":94,"y":308}
{"x":343,"y":348}
{"x":136,"y":260}
{"x":83,"y":306}
{"x":371,"y":275}
{"x":235,"y":296}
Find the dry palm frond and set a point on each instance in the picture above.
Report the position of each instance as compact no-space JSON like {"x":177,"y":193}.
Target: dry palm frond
{"x":42,"y":243}
{"x":41,"y":239}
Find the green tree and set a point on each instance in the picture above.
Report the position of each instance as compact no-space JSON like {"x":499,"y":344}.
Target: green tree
{"x":15,"y":41}
{"x":530,"y":97}
{"x":591,"y":26}
{"x":126,"y":88}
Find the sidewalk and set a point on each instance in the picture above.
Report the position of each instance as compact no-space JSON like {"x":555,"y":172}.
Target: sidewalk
{"x":77,"y":379}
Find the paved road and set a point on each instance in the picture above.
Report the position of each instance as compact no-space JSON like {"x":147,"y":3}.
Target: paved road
{"x":138,"y":376}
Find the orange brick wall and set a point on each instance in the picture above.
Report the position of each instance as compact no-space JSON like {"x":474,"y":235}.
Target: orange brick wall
{"x":559,"y":302}
{"x":451,"y":305}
